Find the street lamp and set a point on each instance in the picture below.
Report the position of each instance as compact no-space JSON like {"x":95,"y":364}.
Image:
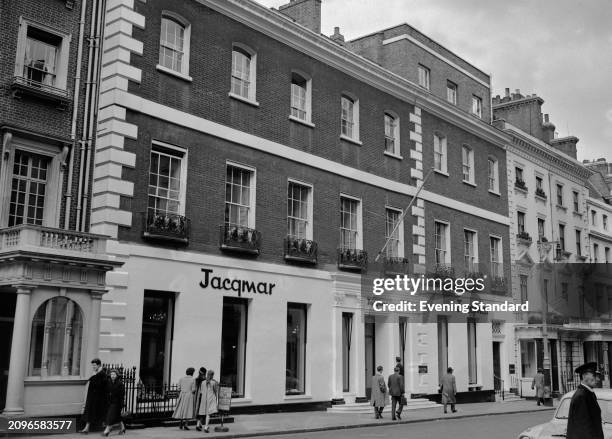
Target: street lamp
{"x":544,"y":248}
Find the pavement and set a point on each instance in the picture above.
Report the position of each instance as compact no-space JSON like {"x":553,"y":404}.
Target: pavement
{"x":270,"y":424}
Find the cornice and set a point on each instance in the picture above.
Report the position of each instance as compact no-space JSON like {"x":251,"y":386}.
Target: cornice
{"x":599,"y":204}
{"x":600,"y":235}
{"x":275,"y":25}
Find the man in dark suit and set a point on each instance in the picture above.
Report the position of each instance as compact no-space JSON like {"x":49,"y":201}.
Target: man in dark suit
{"x":395,"y":383}
{"x":584,"y":419}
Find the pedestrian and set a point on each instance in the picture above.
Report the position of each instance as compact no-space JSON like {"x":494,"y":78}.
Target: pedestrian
{"x":94,"y":407}
{"x":184,"y":403}
{"x":396,"y":390}
{"x":210,"y":392}
{"x":448,"y":387}
{"x":584,"y":418}
{"x":538,"y":385}
{"x":398,"y":363}
{"x":198,"y":397}
{"x":115,"y":392}
{"x":379,"y":392}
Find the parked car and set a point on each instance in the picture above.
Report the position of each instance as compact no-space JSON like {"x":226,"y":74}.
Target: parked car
{"x":558,"y":425}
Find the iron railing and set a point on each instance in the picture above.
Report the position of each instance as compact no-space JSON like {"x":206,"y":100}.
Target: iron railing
{"x":352,"y":259}
{"x":166,"y":226}
{"x":299,"y":249}
{"x":393,"y":265}
{"x":498,"y":385}
{"x":239,"y":238}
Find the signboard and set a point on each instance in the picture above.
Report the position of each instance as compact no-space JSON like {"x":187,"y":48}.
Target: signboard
{"x":423,"y":368}
{"x":225,"y":398}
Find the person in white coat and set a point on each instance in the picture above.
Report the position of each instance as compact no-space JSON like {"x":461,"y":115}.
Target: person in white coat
{"x":210,"y":392}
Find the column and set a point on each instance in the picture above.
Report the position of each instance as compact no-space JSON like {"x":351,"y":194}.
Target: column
{"x":18,"y":361}
{"x":93,"y":331}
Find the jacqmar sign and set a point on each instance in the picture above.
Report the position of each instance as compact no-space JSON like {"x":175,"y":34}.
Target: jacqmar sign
{"x":237,"y":285}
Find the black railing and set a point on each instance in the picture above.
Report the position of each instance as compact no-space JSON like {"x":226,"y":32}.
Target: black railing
{"x":302,"y":250}
{"x":569,"y":380}
{"x":540,"y":192}
{"x":352,"y":259}
{"x":498,"y":385}
{"x":166,"y":226}
{"x":520,"y":184}
{"x":393,"y":265}
{"x":239,"y":238}
{"x":524,"y":236}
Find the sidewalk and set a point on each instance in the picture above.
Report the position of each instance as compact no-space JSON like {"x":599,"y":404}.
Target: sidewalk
{"x":301,"y":422}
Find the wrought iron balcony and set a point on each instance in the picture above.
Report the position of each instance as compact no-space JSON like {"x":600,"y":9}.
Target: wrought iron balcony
{"x":393,"y":265}
{"x":540,"y":192}
{"x":239,"y":238}
{"x":300,"y":250}
{"x":520,"y":184}
{"x":165,"y":226}
{"x":37,"y":87}
{"x":442,"y":271}
{"x":524,"y":238}
{"x":352,"y":259}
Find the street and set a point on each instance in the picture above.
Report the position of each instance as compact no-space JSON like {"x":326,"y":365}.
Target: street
{"x":486,"y":427}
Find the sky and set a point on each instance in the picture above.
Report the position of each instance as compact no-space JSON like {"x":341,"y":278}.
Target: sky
{"x":559,"y":49}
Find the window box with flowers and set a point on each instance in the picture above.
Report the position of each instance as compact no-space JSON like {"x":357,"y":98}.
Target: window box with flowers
{"x":352,"y":259}
{"x":300,"y":250}
{"x":539,"y":192}
{"x":520,"y":184}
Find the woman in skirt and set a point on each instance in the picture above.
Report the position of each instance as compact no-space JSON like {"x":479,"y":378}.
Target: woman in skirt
{"x":209,"y":390}
{"x":115,"y":392}
{"x":184,"y":403}
{"x":198,"y":396}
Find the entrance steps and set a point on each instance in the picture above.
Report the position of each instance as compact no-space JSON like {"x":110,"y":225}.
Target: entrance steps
{"x":365,"y":407}
{"x":508,"y":397}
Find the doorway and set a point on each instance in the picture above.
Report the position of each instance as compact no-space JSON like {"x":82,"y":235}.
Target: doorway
{"x":497,"y":365}
{"x":370,"y":355}
{"x":157,"y":334}
{"x":7,"y":316}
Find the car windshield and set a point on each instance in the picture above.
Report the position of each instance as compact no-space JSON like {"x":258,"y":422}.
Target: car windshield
{"x":606,"y":410}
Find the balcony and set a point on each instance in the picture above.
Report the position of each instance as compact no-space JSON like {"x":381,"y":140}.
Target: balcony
{"x":442,"y":271}
{"x":520,"y":184}
{"x":300,"y":250}
{"x":163,"y":226}
{"x":37,"y":254}
{"x":37,"y":86}
{"x":524,"y":238}
{"x":239,"y":239}
{"x":393,"y":266}
{"x":539,"y":192}
{"x":352,"y":259}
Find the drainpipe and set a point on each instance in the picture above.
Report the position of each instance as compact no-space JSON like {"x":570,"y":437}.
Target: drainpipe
{"x":86,"y":112}
{"x":75,"y":111}
{"x":101,"y":7}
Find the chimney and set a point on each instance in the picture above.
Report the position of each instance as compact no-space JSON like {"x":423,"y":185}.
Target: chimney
{"x":337,"y":37}
{"x":305,"y":12}
{"x":524,"y":113}
{"x":566,"y":145}
{"x":548,"y":130}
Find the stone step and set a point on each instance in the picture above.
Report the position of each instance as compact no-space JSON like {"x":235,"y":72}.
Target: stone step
{"x":365,"y":407}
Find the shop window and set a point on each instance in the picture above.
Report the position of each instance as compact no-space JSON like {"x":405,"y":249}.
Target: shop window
{"x":156,"y":341}
{"x":472,"y":364}
{"x":57,"y":334}
{"x":233,"y":344}
{"x":295,"y":381}
{"x":347,"y":333}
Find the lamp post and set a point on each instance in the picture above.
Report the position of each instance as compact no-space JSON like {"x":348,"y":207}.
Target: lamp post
{"x":544,"y":248}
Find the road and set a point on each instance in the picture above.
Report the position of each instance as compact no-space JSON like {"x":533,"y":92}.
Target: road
{"x":486,"y":427}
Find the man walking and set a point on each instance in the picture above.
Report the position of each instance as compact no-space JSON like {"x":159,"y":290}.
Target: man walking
{"x":538,"y":385}
{"x":584,"y":418}
{"x":395,"y":383}
{"x":448,"y":387}
{"x":379,"y":393}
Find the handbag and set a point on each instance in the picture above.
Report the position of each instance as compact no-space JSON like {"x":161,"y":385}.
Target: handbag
{"x":403,"y":400}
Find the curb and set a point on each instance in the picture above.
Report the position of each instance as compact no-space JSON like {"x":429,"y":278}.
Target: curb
{"x":366,"y":425}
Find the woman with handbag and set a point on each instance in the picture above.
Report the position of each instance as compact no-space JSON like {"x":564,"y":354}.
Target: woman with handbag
{"x":184,"y":403}
{"x":115,"y":392}
{"x":210,"y":393}
{"x":379,"y":392}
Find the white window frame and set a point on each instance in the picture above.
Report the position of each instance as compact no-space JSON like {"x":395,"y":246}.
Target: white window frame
{"x":182,"y":154}
{"x":447,"y":250}
{"x":477,"y":106}
{"x":500,"y":255}
{"x":62,"y":57}
{"x":55,"y":178}
{"x":400,"y":230}
{"x":469,"y":164}
{"x":593,"y":217}
{"x":424,"y":76}
{"x":495,"y":178}
{"x":520,"y":212}
{"x":184,"y":72}
{"x":440,"y":147}
{"x":543,"y":219}
{"x":451,"y":92}
{"x":252,"y":93}
{"x":355,"y":129}
{"x":475,"y":249}
{"x":252,"y":195}
{"x":359,"y":238}
{"x":396,"y":134}
{"x":307,"y":120}
{"x":559,"y":187}
{"x":576,"y":200}
{"x":309,"y":206}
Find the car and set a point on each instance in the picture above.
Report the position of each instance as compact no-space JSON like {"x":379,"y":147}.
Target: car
{"x":557,"y":427}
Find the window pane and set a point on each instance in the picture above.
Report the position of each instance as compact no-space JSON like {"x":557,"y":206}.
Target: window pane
{"x":233,"y":344}
{"x":28,"y":187}
{"x":171,"y":49}
{"x":296,"y":349}
{"x":165,"y":182}
{"x":238,"y":196}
